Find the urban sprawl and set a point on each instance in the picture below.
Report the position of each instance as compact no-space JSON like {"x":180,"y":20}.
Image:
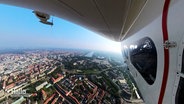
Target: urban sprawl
{"x":64,"y":76}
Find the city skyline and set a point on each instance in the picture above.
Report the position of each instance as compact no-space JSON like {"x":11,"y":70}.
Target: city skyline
{"x":21,"y":29}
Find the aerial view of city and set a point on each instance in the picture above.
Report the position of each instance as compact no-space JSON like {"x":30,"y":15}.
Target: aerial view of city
{"x":68,"y":76}
{"x":92,"y":52}
{"x":59,"y":64}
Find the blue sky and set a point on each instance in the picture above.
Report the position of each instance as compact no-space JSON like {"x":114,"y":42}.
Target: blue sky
{"x":21,"y":29}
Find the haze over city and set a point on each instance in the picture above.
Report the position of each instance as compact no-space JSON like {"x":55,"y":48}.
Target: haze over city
{"x":21,"y":29}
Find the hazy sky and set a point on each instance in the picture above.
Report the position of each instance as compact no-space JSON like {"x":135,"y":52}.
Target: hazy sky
{"x":21,"y":29}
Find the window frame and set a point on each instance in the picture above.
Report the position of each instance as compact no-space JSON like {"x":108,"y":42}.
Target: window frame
{"x":153,"y":58}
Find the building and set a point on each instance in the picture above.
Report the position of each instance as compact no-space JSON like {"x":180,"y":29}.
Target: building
{"x":20,"y":100}
{"x":10,"y":86}
{"x":1,"y":93}
{"x":44,"y":94}
{"x":41,"y":85}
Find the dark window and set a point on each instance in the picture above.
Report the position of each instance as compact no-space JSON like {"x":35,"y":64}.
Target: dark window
{"x":180,"y":92}
{"x":182,"y":69}
{"x":143,"y":56}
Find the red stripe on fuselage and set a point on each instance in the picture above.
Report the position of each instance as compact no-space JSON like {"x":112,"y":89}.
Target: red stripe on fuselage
{"x":166,"y":51}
